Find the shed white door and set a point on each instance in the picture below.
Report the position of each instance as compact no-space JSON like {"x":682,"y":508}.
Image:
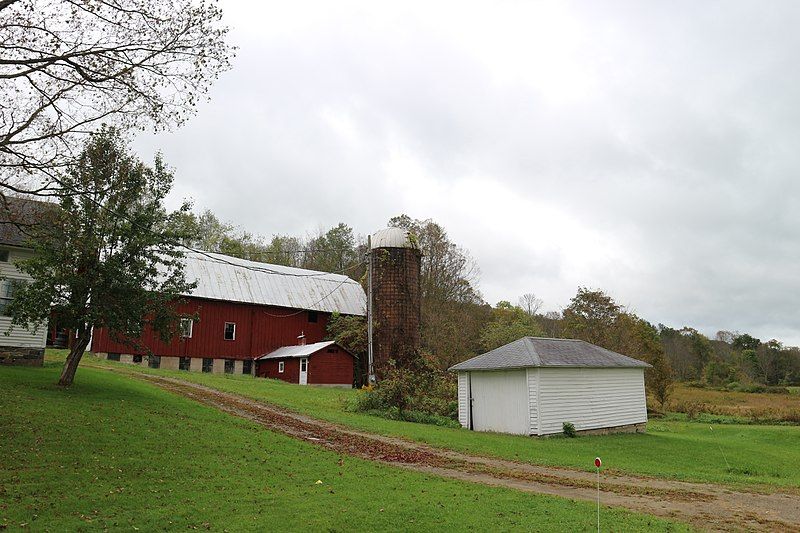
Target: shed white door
{"x":500,"y":401}
{"x":303,"y":371}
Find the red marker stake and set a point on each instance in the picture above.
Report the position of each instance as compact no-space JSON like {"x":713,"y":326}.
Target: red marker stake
{"x":597,"y":464}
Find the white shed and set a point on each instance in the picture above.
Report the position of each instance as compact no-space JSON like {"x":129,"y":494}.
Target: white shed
{"x":533,"y":385}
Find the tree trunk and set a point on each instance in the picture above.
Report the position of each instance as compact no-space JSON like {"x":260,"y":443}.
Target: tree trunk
{"x":74,"y":357}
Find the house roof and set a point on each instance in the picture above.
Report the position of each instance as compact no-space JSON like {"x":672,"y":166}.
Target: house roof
{"x":17,"y":216}
{"x":301,"y":350}
{"x":541,"y":352}
{"x":221,"y":277}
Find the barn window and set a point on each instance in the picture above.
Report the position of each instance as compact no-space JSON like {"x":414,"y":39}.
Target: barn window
{"x":208,"y":364}
{"x":113,"y":357}
{"x":230,"y":331}
{"x":154,"y":361}
{"x":3,"y":256}
{"x":229,"y":366}
{"x":247,"y":367}
{"x":137,"y":358}
{"x":184,"y":363}
{"x":280,"y":367}
{"x":333,"y":350}
{"x":312,"y":316}
{"x":187,"y":324}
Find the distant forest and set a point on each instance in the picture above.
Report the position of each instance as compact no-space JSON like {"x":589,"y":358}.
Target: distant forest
{"x":457,"y":323}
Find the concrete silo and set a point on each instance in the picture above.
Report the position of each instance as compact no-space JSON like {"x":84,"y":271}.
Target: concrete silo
{"x":395,"y":262}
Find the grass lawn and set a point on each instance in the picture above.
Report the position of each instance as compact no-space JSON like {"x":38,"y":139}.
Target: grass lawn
{"x":115,"y":453}
{"x":755,"y":455}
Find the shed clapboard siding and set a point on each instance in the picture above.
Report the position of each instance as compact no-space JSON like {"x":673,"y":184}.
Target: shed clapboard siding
{"x":590,"y":398}
{"x":533,"y":399}
{"x":463,"y":399}
{"x":500,"y":401}
{"x":31,"y":337}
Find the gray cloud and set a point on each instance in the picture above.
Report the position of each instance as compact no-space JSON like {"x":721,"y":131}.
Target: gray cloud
{"x":647,"y":149}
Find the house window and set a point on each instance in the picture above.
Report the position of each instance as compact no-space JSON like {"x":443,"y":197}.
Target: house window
{"x":208,"y":364}
{"x":280,"y":367}
{"x":137,"y":359}
{"x":247,"y":367}
{"x":229,"y":365}
{"x":7,"y":290}
{"x":187,"y":325}
{"x":184,"y":363}
{"x":3,"y":256}
{"x":230,"y":331}
{"x":154,"y":361}
{"x":312,"y":316}
{"x":113,"y":357}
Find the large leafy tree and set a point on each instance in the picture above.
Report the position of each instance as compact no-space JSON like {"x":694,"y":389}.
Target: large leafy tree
{"x":591,"y":316}
{"x":106,"y":258}
{"x":508,"y":323}
{"x":453,"y":311}
{"x":68,"y":66}
{"x":595,"y":317}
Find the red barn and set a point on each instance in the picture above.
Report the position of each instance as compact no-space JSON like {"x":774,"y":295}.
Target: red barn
{"x":247,"y":310}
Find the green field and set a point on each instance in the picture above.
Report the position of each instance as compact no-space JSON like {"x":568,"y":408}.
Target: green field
{"x":116,"y":453}
{"x":733,"y":454}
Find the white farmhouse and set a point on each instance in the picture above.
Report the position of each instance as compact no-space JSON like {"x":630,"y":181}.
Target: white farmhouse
{"x":533,"y":385}
{"x":18,"y":345}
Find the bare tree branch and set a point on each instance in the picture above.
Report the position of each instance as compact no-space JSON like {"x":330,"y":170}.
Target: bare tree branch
{"x":67,"y":66}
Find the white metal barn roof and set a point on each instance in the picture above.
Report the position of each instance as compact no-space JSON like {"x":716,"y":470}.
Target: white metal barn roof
{"x":289,"y":352}
{"x":221,"y":277}
{"x":541,"y":352}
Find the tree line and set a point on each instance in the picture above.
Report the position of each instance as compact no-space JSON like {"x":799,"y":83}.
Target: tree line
{"x":457,"y":323}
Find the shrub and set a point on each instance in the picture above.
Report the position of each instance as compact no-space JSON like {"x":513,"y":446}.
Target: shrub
{"x":569,"y":430}
{"x":792,"y":416}
{"x":424,"y":394}
{"x":692,"y":409}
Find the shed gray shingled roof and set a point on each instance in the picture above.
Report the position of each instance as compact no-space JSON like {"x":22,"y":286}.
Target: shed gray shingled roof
{"x":541,"y":352}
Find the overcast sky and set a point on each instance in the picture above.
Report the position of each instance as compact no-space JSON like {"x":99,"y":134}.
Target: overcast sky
{"x":650,"y":149}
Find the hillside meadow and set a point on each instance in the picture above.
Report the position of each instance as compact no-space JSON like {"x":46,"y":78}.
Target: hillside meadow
{"x":746,"y":407}
{"x":115,"y":453}
{"x":741,"y":455}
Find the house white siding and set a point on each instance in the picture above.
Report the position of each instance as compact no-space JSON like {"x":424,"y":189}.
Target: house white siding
{"x":463,"y":399}
{"x":500,"y":401}
{"x":18,"y":336}
{"x":590,"y":398}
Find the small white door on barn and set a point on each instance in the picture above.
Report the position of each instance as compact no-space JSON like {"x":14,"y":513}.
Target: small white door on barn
{"x":303,"y":371}
{"x":500,"y":401}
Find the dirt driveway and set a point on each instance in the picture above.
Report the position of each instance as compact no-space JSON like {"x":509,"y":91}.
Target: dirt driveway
{"x":706,"y":506}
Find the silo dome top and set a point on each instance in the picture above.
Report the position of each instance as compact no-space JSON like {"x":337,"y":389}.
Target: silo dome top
{"x":393,"y":238}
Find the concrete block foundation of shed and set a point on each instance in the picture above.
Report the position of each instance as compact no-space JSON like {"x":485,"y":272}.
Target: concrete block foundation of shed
{"x":629,"y":428}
